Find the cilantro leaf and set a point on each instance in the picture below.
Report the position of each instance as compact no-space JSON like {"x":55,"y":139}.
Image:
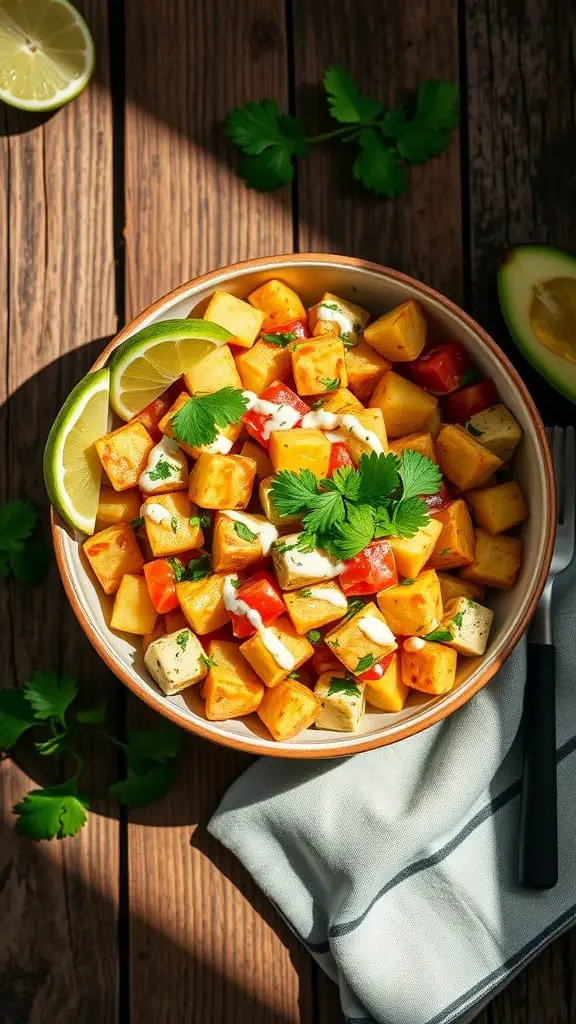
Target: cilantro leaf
{"x":419,"y":474}
{"x":346,"y":480}
{"x":365,"y":663}
{"x":29,"y":564}
{"x":17,"y":521}
{"x":137,"y":523}
{"x":195,"y":422}
{"x":197,"y":568}
{"x":182,"y":640}
{"x":355,"y":604}
{"x":269,"y":139}
{"x":95,"y":715}
{"x":280,"y":339}
{"x":207,"y":661}
{"x":347,"y":104}
{"x":326,"y":509}
{"x":410,"y":515}
{"x":427,"y":132}
{"x":53,"y":745}
{"x":52,"y":813}
{"x":379,"y":477}
{"x":440,"y":635}
{"x":347,"y":687}
{"x":16,"y":716}
{"x":330,"y":383}
{"x":177,"y":567}
{"x":458,"y":619}
{"x":159,"y":744}
{"x":144,"y":787}
{"x":384,"y":525}
{"x":162,"y":470}
{"x":245,"y":533}
{"x":4,"y":565}
{"x":314,"y":636}
{"x":291,"y":493}
{"x":50,"y":695}
{"x":377,"y":166}
{"x":353,"y":535}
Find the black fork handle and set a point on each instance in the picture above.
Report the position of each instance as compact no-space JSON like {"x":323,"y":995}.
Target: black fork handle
{"x":538,"y":861}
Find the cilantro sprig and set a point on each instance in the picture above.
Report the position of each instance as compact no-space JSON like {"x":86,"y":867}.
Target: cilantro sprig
{"x":23,"y":552}
{"x":196,"y":421}
{"x":386,"y":140}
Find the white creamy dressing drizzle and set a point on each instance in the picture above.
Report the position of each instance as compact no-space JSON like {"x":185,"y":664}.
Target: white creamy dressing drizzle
{"x":280,"y":417}
{"x":276,"y":648}
{"x":155,"y":512}
{"x":338,"y":316}
{"x":221,"y":445}
{"x":414,"y":643}
{"x":347,"y":424}
{"x":376,"y":630}
{"x":265,"y":531}
{"x":167,"y":451}
{"x":330,"y":596}
{"x":313,"y":565}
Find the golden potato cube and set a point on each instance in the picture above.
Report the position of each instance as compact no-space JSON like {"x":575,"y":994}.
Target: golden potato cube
{"x":155,"y":634}
{"x":251,"y":450}
{"x":497,"y":560}
{"x":298,"y":649}
{"x":336,"y":316}
{"x":231,"y":689}
{"x":317,"y":363}
{"x":497,"y":430}
{"x":117,"y":506}
{"x":176,"y":661}
{"x":242,"y":320}
{"x":430,"y":669}
{"x":462,"y":459}
{"x":222,"y":481}
{"x":399,"y":335}
{"x":364,"y":367}
{"x":455,"y":545}
{"x":172,"y":524}
{"x":124,"y":454}
{"x":389,"y":692}
{"x":269,"y":508}
{"x":289,"y":708}
{"x":405,"y":406}
{"x":202,"y":602}
{"x":412,"y":553}
{"x":133,"y":610}
{"x":231,"y":552}
{"x":112,"y":553}
{"x":299,"y":449}
{"x":278,"y":302}
{"x":499,"y":508}
{"x":433,"y":424}
{"x":373,"y":421}
{"x":226,"y":436}
{"x":339,"y":401}
{"x":455,"y":586}
{"x":344,"y":702}
{"x":216,"y":370}
{"x":468,"y":624}
{"x":315,"y":606}
{"x":352,"y":641}
{"x":421,"y":443}
{"x":263,"y":364}
{"x":414,"y":606}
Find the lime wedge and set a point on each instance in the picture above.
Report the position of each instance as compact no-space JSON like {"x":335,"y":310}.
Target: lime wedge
{"x":143,"y":366}
{"x":46,"y":53}
{"x":71,"y":463}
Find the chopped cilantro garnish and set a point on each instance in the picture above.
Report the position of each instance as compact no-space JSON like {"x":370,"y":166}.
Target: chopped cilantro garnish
{"x":280,"y":339}
{"x":163,"y":470}
{"x":345,"y":686}
{"x":365,"y":663}
{"x":208,"y":662}
{"x":245,"y":533}
{"x":473,"y":430}
{"x":182,"y":639}
{"x":330,"y":383}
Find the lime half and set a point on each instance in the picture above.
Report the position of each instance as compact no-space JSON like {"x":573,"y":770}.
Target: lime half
{"x":46,"y":53}
{"x":71,"y":464}
{"x":143,"y":366}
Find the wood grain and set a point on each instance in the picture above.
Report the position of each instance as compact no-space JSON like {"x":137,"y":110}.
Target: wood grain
{"x":205,"y":946}
{"x":58,"y":902}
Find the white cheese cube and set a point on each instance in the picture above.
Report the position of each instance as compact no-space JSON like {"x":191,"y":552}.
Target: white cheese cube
{"x":469,"y":624}
{"x":497,"y":430}
{"x":176,"y":661}
{"x":295,"y":568}
{"x":344,"y":702}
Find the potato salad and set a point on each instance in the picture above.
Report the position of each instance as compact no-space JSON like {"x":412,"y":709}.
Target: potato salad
{"x":311,"y":518}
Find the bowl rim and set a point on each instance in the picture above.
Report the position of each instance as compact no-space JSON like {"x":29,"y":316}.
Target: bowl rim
{"x":450,"y":703}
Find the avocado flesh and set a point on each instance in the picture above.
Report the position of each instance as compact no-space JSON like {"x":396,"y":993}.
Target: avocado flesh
{"x":537,"y":288}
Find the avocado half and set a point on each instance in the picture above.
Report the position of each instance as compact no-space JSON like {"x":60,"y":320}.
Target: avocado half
{"x":537,"y":289}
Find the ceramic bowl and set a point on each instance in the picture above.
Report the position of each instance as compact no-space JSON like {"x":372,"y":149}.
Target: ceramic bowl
{"x":379,"y":289}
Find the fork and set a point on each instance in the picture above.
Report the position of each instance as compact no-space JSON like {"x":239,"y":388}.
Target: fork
{"x":538,"y":861}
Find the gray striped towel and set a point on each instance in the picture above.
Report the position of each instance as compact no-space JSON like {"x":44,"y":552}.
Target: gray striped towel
{"x":397,"y":868}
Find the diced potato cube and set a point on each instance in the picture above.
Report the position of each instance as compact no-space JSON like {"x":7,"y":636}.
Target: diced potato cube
{"x":462,"y":459}
{"x":344,"y":702}
{"x":433,"y":424}
{"x":499,"y":508}
{"x":312,"y":607}
{"x":269,"y":508}
{"x":497,"y":430}
{"x":299,"y":449}
{"x":202,"y":602}
{"x":412,"y":553}
{"x":231,"y":552}
{"x":155,"y":634}
{"x":413,"y":607}
{"x":176,"y":661}
{"x":405,"y":406}
{"x":295,"y":568}
{"x":236,"y":316}
{"x":226,"y":436}
{"x":222,"y":481}
{"x":455,"y":545}
{"x":124,"y":454}
{"x":455,"y":586}
{"x":336,"y":316}
{"x":251,"y":450}
{"x":278,"y":302}
{"x":399,"y":335}
{"x":263,"y":364}
{"x":231,"y":689}
{"x":216,"y":370}
{"x":364,"y":367}
{"x":175,"y":620}
{"x":468,"y":624}
{"x":117,"y":506}
{"x":317,"y":363}
{"x":298,"y":649}
{"x":112,"y":553}
{"x":497,"y":560}
{"x":388,"y":693}
{"x":362,"y":444}
{"x":288,"y":708}
{"x":178,"y":526}
{"x":421,"y":443}
{"x":430,"y":669}
{"x":352,"y":642}
{"x":339,"y":401}
{"x":133,"y":610}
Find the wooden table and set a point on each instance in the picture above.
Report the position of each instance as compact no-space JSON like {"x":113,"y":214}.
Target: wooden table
{"x":106,"y":205}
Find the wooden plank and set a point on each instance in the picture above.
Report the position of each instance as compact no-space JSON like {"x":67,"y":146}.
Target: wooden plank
{"x":58,"y":902}
{"x":205,"y":945}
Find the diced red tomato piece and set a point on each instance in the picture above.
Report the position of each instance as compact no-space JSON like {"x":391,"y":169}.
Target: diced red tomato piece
{"x":153,"y":413}
{"x":297,"y":327}
{"x":279,"y":394}
{"x":440,"y":370}
{"x":161,"y":582}
{"x":377,"y":671}
{"x":436,"y":502}
{"x":261,"y":593}
{"x":463,"y":404}
{"x":339,"y":457}
{"x":372,"y":570}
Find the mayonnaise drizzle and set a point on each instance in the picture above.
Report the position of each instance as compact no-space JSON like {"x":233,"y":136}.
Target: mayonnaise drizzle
{"x":329,"y":595}
{"x":280,"y":417}
{"x":414,"y":643}
{"x":265,"y":531}
{"x":347,"y":424}
{"x":313,"y":565}
{"x":345,"y":321}
{"x":155,"y":512}
{"x":167,"y":451}
{"x":276,"y":648}
{"x":376,"y":630}
{"x":221,"y":445}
